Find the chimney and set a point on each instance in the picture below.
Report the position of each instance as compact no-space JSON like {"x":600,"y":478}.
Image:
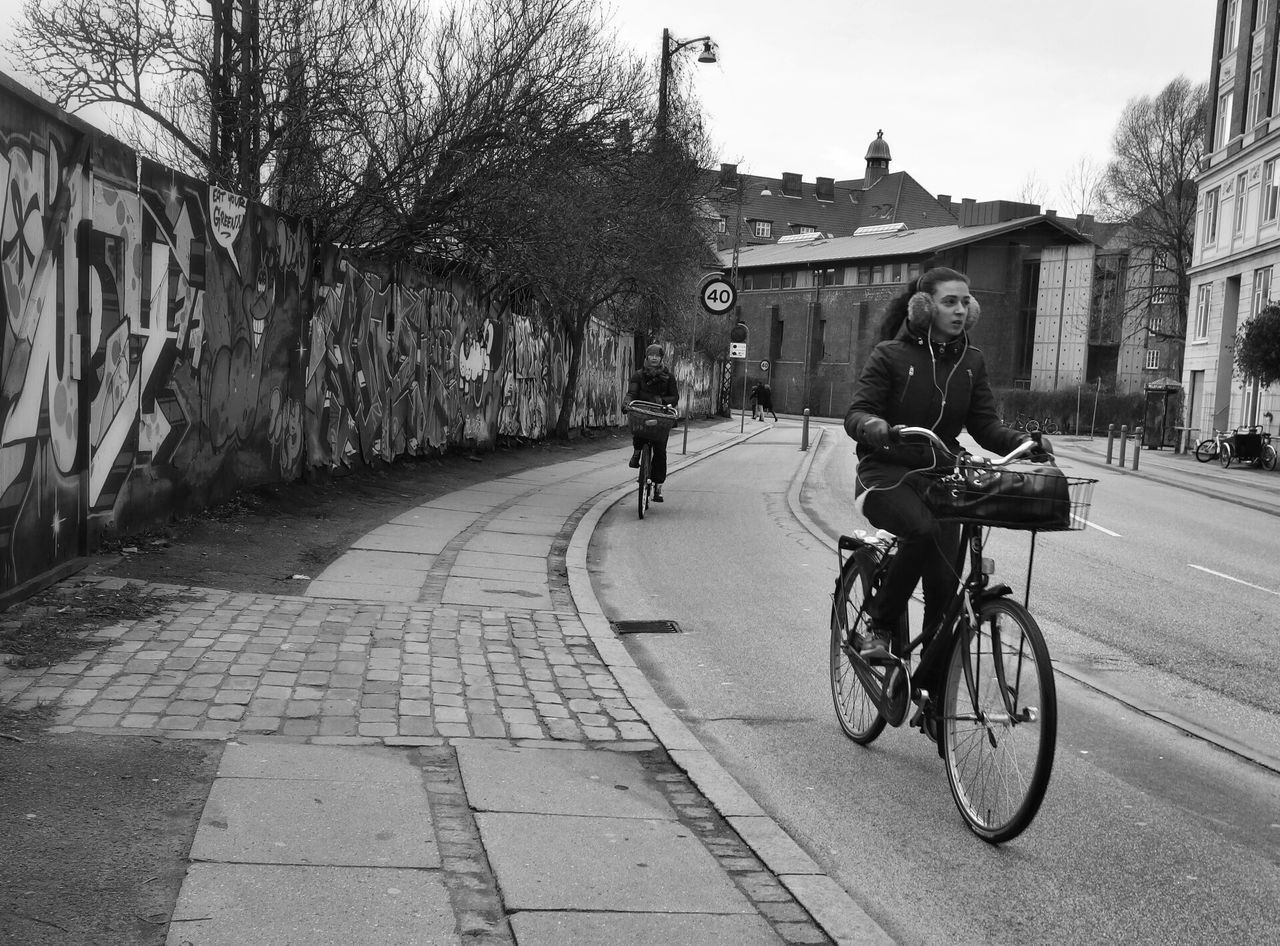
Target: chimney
{"x":1084,"y":223}
{"x":728,"y":175}
{"x":825,"y":189}
{"x":944,"y":199}
{"x":1051,"y":213}
{"x":791,"y":184}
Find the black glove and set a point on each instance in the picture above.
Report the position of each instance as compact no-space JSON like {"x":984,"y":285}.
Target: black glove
{"x":1043,"y":449}
{"x":876,"y":433}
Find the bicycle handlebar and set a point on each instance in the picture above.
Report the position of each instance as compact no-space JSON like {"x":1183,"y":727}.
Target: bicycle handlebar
{"x":924,"y":433}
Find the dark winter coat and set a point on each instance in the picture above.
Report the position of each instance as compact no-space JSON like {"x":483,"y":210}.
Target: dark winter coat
{"x":658,"y":386}
{"x":943,"y":386}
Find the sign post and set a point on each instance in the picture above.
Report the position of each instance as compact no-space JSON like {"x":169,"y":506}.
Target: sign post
{"x":738,"y":352}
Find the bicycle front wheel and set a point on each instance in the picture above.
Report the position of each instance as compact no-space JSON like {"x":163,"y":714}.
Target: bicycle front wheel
{"x":1224,"y":455}
{"x":642,"y":494}
{"x":1269,"y":457}
{"x":1206,"y":450}
{"x":999,"y":721}
{"x":850,"y":683}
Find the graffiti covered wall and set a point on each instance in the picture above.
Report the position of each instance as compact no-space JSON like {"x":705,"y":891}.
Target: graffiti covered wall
{"x":166,"y":343}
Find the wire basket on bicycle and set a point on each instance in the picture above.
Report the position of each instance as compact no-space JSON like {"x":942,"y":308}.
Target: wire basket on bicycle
{"x":1036,"y":498}
{"x":650,"y":421}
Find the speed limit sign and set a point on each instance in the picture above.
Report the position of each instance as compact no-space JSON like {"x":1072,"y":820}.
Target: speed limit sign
{"x":718,"y":296}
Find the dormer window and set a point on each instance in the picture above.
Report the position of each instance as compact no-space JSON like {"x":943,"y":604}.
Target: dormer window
{"x":762,"y":229}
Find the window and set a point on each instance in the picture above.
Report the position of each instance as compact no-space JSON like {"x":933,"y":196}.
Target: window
{"x":913,"y":271}
{"x":1204,"y":295}
{"x":1237,"y":218}
{"x":789,"y":279}
{"x":877,"y":274}
{"x":805,"y":228}
{"x":1260,"y":15}
{"x":1211,"y":217}
{"x":763,"y":228}
{"x":722,"y":225}
{"x":1261,"y":290}
{"x":1153,"y":359}
{"x":1231,"y":35}
{"x":1155,"y":323}
{"x":1223,"y":127}
{"x":1270,"y":191}
{"x":864,"y":275}
{"x":1255,"y":98}
{"x":1163,"y":295}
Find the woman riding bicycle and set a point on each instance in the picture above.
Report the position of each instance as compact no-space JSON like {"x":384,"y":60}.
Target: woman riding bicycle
{"x":925,"y":373}
{"x":656,"y":384}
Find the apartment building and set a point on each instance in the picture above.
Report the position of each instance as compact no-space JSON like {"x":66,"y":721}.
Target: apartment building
{"x":1237,"y":242}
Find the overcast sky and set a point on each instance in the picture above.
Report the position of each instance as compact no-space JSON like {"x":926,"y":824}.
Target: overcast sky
{"x":975,"y":97}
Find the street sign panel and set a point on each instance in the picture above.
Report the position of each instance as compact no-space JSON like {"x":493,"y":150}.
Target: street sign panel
{"x":718,"y":295}
{"x":737,"y":349}
{"x":764,"y":366}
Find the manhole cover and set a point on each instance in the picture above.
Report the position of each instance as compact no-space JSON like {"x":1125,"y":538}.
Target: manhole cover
{"x":646,"y":627}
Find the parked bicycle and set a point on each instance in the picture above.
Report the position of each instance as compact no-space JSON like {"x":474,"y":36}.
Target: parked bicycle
{"x":651,"y":422}
{"x":1209,"y":448}
{"x":1247,"y":445}
{"x":995,"y":719}
{"x":1029,"y":424}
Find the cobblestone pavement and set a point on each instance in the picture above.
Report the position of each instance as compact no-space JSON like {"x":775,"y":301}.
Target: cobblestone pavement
{"x":422,"y":675}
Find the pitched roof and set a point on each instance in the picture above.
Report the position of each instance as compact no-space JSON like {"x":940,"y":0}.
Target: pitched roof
{"x":903,"y":243}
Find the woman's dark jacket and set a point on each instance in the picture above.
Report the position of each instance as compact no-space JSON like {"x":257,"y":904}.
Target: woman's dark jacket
{"x":946,"y":390}
{"x":658,"y":386}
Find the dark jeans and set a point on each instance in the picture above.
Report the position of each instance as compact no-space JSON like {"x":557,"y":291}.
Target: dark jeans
{"x":658,"y":471}
{"x":927,"y":549}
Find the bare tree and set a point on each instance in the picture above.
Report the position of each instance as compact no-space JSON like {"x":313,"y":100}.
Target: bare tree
{"x":1081,"y":187}
{"x":1150,"y":186}
{"x":1032,"y":190}
{"x":299,"y":78}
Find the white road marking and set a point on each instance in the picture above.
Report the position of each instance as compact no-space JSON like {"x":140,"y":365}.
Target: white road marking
{"x":1091,"y":525}
{"x":1240,"y":581}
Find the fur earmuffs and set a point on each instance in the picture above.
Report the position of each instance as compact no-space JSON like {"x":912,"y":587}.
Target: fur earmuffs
{"x":920,"y":313}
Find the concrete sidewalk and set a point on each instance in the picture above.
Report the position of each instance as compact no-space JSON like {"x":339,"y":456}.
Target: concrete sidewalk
{"x":443,"y":741}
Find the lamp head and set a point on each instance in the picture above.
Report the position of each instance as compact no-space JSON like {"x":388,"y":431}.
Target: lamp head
{"x":708,"y":53}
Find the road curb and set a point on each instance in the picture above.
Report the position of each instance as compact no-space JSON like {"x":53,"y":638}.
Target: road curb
{"x":828,"y":903}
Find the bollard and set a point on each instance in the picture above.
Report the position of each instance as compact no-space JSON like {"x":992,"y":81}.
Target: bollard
{"x":804,"y":435}
{"x":1137,"y":445}
{"x":1111,"y":438}
{"x":1124,"y":442}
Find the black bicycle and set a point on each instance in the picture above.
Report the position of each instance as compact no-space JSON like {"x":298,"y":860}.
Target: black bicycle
{"x":651,"y":422}
{"x":995,"y":717}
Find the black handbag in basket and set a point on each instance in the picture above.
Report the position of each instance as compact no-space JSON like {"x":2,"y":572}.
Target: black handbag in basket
{"x":1033,"y":498}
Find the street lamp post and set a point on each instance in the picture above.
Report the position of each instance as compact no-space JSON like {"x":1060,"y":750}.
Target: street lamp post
{"x":671,"y":46}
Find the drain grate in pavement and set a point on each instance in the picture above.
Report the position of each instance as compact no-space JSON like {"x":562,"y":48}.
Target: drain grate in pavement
{"x":646,"y":627}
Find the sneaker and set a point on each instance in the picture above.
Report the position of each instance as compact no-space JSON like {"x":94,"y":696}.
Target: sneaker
{"x":635,"y":460}
{"x":657,"y":493}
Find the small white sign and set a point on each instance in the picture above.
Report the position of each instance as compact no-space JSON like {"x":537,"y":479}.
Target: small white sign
{"x":737,"y":349}
{"x":764,"y":366}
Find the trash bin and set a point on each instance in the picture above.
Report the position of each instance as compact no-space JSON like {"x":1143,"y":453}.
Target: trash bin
{"x":1163,"y":410}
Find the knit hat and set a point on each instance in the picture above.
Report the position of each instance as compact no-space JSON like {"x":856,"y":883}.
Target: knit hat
{"x":655,"y":350}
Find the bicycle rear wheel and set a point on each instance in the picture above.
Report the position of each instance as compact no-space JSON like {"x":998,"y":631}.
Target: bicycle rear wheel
{"x":850,"y":683}
{"x":999,"y":722}
{"x":1224,"y":455}
{"x":1206,"y":450}
{"x":642,"y":494}
{"x":1269,"y":457}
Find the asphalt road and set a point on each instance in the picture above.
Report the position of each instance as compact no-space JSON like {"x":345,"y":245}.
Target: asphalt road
{"x":1146,"y":836}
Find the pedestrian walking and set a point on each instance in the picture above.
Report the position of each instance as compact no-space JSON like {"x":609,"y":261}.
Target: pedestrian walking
{"x":761,"y":401}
